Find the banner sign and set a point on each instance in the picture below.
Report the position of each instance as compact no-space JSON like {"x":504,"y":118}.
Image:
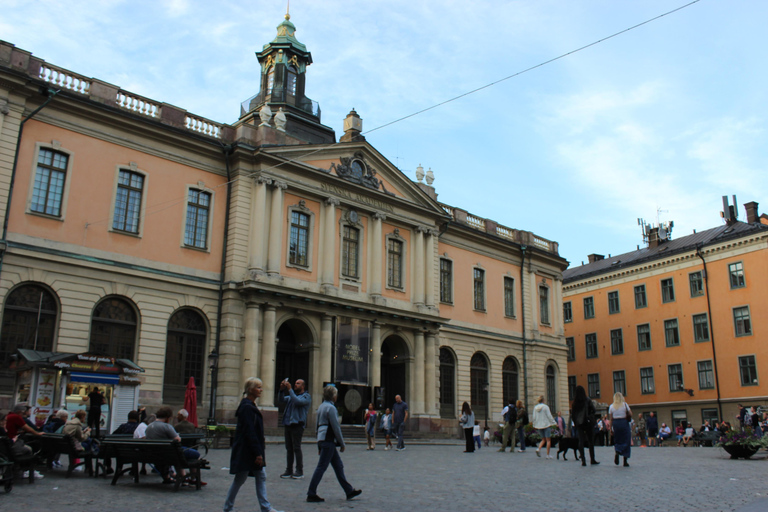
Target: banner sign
{"x":352,"y":348}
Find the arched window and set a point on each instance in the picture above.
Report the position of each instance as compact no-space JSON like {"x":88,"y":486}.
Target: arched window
{"x":551,"y":389}
{"x":509,"y":379}
{"x":184,"y":354}
{"x":113,"y":329}
{"x":29,"y":321}
{"x":478,"y":379}
{"x":447,"y":384}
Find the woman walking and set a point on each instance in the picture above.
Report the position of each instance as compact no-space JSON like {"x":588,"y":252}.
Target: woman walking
{"x":247,"y":457}
{"x":467,"y":423}
{"x":543,"y":422}
{"x":584,"y":420}
{"x":328,"y":437}
{"x":370,"y":426}
{"x":620,"y":414}
{"x":522,"y":421}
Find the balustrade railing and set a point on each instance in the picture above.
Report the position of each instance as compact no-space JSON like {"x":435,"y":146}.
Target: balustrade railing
{"x":476,"y":222}
{"x":137,"y":104}
{"x":202,"y":125}
{"x":61,"y":78}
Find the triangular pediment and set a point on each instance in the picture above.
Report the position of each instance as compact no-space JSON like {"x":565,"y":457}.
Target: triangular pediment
{"x":359,"y":167}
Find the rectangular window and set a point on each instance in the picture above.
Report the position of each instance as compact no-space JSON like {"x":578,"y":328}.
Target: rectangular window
{"x":571,"y":387}
{"x":736,"y":272}
{"x":130,"y":187}
{"x":446,"y":281}
{"x":710,"y":415}
{"x":589,"y":307}
{"x":667,"y":290}
{"x":647,"y":387}
{"x":593,"y":385}
{"x":509,"y":296}
{"x":697,"y":284}
{"x":613,"y":303}
{"x":641,"y":301}
{"x":544,"y":304}
{"x":675,"y":372}
{"x":644,"y":337}
{"x":741,"y":321}
{"x":671,"y":333}
{"x":567,"y":312}
{"x":570,"y":343}
{"x":196,"y":229}
{"x":678,"y":418}
{"x":479,"y":289}
{"x":350,"y":251}
{"x":748,"y":371}
{"x":394,"y":263}
{"x":49,"y":182}
{"x":700,"y":328}
{"x":298,"y":250}
{"x":591,"y":342}
{"x":619,"y":382}
{"x":706,"y":375}
{"x":617,"y":342}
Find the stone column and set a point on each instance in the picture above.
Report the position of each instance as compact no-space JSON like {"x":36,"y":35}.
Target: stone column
{"x":376,"y":253}
{"x":375,"y":360}
{"x":258,"y":221}
{"x":430,"y":374}
{"x":276,"y":228}
{"x":251,"y":346}
{"x":418,"y":383}
{"x":557,"y":310}
{"x":326,"y":348}
{"x":418,"y":267}
{"x":429,"y":268}
{"x":329,"y":241}
{"x":268,"y":349}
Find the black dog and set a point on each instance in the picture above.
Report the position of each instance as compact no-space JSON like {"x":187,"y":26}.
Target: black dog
{"x":568,"y":443}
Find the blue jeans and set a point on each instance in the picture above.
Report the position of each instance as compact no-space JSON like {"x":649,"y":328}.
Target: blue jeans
{"x":521,"y":436}
{"x":328,"y":455}
{"x":400,"y":428}
{"x":261,"y":490}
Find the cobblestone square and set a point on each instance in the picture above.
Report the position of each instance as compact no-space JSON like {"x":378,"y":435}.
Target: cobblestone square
{"x":439,"y":477}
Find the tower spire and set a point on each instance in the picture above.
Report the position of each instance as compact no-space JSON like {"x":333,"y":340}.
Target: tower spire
{"x":288,"y":11}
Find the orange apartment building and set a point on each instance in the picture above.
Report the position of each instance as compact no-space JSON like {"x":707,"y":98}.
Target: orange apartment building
{"x":677,"y":326}
{"x":263,"y":248}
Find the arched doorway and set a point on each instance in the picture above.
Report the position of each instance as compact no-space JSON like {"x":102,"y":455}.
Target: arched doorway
{"x":394,"y":355}
{"x":292,"y":355}
{"x":447,"y":384}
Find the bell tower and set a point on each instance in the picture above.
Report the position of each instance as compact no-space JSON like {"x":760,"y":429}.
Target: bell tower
{"x":284,"y":63}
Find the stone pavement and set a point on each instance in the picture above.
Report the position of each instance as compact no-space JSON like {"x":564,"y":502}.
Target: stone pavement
{"x":439,"y":477}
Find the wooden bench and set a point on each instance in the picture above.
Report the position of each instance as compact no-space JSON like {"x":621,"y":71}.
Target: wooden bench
{"x":708,"y":438}
{"x":160,"y":453}
{"x":55,"y":444}
{"x":19,"y":463}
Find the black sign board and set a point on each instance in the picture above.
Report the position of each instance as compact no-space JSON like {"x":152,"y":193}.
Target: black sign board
{"x":352,"y":349}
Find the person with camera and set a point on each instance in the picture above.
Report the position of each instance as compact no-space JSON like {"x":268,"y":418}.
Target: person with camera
{"x":297,"y":402}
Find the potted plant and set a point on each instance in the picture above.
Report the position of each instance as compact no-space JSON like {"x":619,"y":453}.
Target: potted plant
{"x":222,"y":436}
{"x":741,"y":444}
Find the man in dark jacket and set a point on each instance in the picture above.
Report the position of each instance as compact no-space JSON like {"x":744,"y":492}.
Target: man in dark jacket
{"x":297,"y":402}
{"x":652,"y":423}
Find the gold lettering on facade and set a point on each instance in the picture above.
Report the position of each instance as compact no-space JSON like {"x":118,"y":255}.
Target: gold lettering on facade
{"x":370,"y":201}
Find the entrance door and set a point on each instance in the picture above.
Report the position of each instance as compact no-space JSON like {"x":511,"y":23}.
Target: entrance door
{"x":292,"y":357}
{"x":394,"y":353}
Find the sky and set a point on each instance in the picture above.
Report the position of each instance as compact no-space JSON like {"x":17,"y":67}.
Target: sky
{"x":656,"y":123}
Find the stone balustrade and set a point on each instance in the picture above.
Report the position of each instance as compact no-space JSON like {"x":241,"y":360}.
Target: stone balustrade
{"x":137,"y":104}
{"x":63,"y":79}
{"x":202,"y":125}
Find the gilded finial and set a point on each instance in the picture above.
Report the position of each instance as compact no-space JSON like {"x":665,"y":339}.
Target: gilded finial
{"x":288,"y":11}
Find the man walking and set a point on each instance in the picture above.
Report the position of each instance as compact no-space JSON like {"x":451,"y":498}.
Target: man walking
{"x":297,"y":402}
{"x":509,"y":414}
{"x":652,"y":424}
{"x":399,"y":417}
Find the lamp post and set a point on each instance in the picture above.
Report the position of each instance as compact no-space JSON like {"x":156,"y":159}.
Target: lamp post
{"x":486,"y":386}
{"x":213,"y":364}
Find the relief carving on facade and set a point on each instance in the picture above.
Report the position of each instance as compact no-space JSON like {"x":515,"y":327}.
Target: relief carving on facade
{"x":357,"y":170}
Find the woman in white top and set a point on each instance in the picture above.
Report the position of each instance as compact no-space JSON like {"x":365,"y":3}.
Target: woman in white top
{"x":543,"y":422}
{"x":621,"y":414}
{"x":467,"y":423}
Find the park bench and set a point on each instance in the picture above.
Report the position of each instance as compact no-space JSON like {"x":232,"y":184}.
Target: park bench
{"x":196,"y":441}
{"x":708,"y":438}
{"x":160,"y":453}
{"x":54,"y":444}
{"x":18,"y":463}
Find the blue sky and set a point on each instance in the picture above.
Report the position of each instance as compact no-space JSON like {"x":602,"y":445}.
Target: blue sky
{"x":669,"y":116}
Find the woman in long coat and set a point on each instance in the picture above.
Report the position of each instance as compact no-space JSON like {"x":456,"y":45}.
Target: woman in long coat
{"x":247,"y":457}
{"x":583,"y":418}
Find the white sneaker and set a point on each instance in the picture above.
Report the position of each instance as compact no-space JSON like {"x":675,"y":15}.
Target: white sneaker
{"x":550,"y":457}
{"x":38,"y":475}
{"x":79,"y":468}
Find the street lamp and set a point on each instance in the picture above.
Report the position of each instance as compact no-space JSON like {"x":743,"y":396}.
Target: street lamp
{"x":487,"y":405}
{"x":213,"y":365}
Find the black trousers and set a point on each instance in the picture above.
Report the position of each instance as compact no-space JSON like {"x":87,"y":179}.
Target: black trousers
{"x":469,"y":438}
{"x":293,"y":435}
{"x":587,"y":436}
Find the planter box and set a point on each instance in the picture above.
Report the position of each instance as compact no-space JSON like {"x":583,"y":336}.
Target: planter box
{"x":740,"y":452}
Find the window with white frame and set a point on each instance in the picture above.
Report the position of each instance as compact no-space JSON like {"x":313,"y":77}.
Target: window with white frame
{"x":446,"y":281}
{"x":741,"y":321}
{"x":479,"y":288}
{"x":50,"y":176}
{"x":350,"y":253}
{"x":696,"y":282}
{"x":736,"y":274}
{"x":130,"y":189}
{"x":394,"y":263}
{"x":198,"y":213}
{"x":509,"y":296}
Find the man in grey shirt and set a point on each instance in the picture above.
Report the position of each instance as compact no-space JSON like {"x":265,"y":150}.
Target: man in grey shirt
{"x":162,"y":429}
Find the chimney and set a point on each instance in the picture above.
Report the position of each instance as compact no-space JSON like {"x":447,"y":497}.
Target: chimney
{"x":752,"y":216}
{"x":353,"y":126}
{"x":595,"y":257}
{"x":653,"y":238}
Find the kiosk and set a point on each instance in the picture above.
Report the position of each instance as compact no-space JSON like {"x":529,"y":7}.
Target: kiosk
{"x":53,"y":380}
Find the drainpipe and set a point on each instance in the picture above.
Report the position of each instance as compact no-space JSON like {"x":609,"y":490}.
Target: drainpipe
{"x":227,"y":150}
{"x":47,"y":92}
{"x":524,"y":248}
{"x":711,"y":331}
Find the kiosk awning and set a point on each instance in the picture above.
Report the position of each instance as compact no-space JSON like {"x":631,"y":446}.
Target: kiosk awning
{"x":99,"y":378}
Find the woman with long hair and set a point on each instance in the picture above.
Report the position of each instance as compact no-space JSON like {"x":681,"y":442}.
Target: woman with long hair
{"x":248,"y":457}
{"x":620,"y":414}
{"x":467,"y":422}
{"x":584,"y":420}
{"x":543,"y":422}
{"x":522,"y":421}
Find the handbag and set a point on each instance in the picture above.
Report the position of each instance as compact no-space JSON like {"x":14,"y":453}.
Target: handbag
{"x":629,"y":412}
